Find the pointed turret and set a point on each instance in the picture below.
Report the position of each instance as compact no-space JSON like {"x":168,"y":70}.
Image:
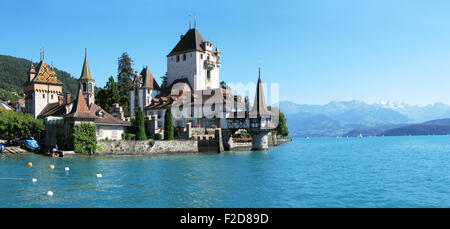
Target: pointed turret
{"x":259,"y":108}
{"x":85,"y":73}
{"x":31,"y":72}
{"x":86,"y":82}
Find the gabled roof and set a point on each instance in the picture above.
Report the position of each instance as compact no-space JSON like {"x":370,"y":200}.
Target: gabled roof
{"x":85,"y":73}
{"x":80,"y":108}
{"x":191,"y":41}
{"x":259,"y":108}
{"x":45,"y":74}
{"x":148,"y":80}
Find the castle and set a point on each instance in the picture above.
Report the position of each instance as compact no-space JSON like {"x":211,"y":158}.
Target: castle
{"x":44,"y":99}
{"x":191,"y":89}
{"x":195,"y":95}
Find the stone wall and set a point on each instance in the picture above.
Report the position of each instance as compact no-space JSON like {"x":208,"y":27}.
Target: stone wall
{"x":146,"y":148}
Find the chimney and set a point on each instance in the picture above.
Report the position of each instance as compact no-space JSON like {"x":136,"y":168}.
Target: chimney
{"x":67,"y":97}
{"x":60,"y":99}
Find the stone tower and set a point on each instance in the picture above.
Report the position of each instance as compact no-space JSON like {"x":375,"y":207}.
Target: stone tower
{"x":194,"y":59}
{"x":41,"y":88}
{"x":86,"y":82}
{"x":144,"y":89}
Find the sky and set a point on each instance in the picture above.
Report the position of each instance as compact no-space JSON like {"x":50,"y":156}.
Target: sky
{"x":317,"y":51}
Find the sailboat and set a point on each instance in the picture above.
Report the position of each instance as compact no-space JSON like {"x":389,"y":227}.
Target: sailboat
{"x":360,"y":135}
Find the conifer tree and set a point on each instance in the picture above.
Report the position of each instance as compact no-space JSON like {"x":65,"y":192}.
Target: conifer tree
{"x":168,"y":124}
{"x":125,"y":76}
{"x":140,"y":126}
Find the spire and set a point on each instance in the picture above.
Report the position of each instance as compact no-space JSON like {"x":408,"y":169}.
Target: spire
{"x":189,"y":21}
{"x":85,"y":74}
{"x":259,"y":108}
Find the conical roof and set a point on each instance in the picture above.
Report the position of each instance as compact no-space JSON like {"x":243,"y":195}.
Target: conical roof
{"x":191,"y":41}
{"x":259,"y":108}
{"x":85,"y":73}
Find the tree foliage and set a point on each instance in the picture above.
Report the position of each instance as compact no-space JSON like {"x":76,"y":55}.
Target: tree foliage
{"x":17,"y":124}
{"x":6,"y":95}
{"x":125,"y":76}
{"x":108,"y":95}
{"x":140,"y":125}
{"x":282,"y":128}
{"x":164,"y":83}
{"x":168,"y":124}
{"x":84,"y":138}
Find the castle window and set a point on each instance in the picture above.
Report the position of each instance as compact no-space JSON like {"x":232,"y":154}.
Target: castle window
{"x":84,"y":86}
{"x":201,"y":56}
{"x":52,"y":96}
{"x":178,"y":58}
{"x":184,"y":57}
{"x":43,"y":96}
{"x":208,"y":74}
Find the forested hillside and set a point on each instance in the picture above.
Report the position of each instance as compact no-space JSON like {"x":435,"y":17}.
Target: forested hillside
{"x":14,"y":73}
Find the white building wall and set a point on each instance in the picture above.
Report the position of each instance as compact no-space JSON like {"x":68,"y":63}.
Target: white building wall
{"x":192,"y":69}
{"x":110,"y":132}
{"x":39,"y":101}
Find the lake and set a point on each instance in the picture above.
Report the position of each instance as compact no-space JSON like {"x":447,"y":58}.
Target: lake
{"x":316,"y":172}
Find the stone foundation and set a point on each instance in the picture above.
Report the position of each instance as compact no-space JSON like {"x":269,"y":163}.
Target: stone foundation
{"x":145,"y":147}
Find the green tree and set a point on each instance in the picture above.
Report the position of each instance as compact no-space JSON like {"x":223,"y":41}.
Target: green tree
{"x":17,"y":124}
{"x":140,"y":126}
{"x":84,"y":138}
{"x":282,"y":128}
{"x":125,"y":80}
{"x":109,"y":95}
{"x":168,"y":124}
{"x":164,"y":83}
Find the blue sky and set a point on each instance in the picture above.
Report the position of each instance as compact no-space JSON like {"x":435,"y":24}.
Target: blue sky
{"x":318,"y":51}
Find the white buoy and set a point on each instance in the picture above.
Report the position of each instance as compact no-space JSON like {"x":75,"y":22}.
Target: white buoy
{"x":99,"y":175}
{"x":67,"y":168}
{"x":49,"y":193}
{"x":34,"y":180}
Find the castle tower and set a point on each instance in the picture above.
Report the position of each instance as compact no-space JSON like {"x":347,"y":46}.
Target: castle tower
{"x":193,"y":59}
{"x":144,"y":89}
{"x":86,"y":82}
{"x":41,"y":88}
{"x":259,"y":119}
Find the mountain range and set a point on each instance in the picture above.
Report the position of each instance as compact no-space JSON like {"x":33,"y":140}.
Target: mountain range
{"x":351,"y":118}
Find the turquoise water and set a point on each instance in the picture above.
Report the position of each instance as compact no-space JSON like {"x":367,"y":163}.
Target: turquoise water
{"x":316,"y":172}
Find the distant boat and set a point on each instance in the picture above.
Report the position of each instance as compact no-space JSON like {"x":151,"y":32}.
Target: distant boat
{"x":306,"y":137}
{"x":2,"y":148}
{"x":360,"y":135}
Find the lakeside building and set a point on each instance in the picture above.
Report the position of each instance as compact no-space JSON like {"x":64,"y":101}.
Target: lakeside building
{"x":62,"y":113}
{"x":196,"y":97}
{"x":193,"y":87}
